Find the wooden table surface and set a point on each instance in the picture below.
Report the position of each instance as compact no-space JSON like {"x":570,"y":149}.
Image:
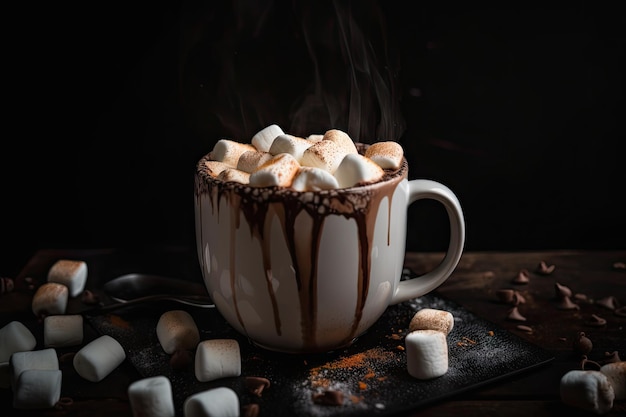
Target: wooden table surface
{"x":591,"y":275}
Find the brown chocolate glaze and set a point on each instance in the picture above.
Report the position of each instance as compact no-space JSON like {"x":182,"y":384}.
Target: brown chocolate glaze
{"x":259,"y":204}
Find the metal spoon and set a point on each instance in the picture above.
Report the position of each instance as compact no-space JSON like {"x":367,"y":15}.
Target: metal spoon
{"x":136,"y":289}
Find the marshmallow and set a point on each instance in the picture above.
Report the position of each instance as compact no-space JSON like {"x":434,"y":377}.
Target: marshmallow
{"x":228,"y":151}
{"x":71,"y":273}
{"x":63,"y":330}
{"x":355,"y":169}
{"x":324,"y":154}
{"x":15,"y":337}
{"x":37,"y":389}
{"x":151,"y":396}
{"x":387,"y":155}
{"x":249,"y":161}
{"x":214,"y":168}
{"x":42,"y":360}
{"x":278,"y":171}
{"x":426,"y":354}
{"x":313,"y":179}
{"x":616,"y":373}
{"x":587,"y":390}
{"x":345,"y":142}
{"x":234,"y":175}
{"x":263,"y":139}
{"x":176,"y":330}
{"x":315,"y":137}
{"x":99,"y":358}
{"x":217,"y":358}
{"x":215,"y":402}
{"x":292,"y":145}
{"x":49,"y":299}
{"x":432,"y":319}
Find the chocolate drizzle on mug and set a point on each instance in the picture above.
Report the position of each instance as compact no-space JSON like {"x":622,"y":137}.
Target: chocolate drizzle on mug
{"x":260,"y":206}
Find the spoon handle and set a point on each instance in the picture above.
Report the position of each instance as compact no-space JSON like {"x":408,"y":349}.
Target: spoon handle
{"x":190,"y":300}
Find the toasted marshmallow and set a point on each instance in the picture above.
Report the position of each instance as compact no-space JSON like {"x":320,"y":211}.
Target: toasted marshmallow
{"x":152,"y":396}
{"x":250,"y":161}
{"x":587,"y":390}
{"x":228,"y":151}
{"x":432,"y":319}
{"x":214,"y":168}
{"x":221,"y":401}
{"x":44,"y":359}
{"x":263,"y":139}
{"x":290,"y":144}
{"x":71,"y":273}
{"x":313,"y":179}
{"x":176,"y":330}
{"x":324,"y":154}
{"x":99,"y":358}
{"x":15,"y":338}
{"x":355,"y":169}
{"x":342,"y":139}
{"x":426,"y":354}
{"x":234,"y":175}
{"x":37,"y":389}
{"x":217,"y":358}
{"x":63,"y":330}
{"x":387,"y":155}
{"x":49,"y":299}
{"x":278,"y":171}
{"x":616,"y":373}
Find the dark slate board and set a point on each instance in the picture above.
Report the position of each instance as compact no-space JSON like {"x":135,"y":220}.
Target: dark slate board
{"x":479,"y":353}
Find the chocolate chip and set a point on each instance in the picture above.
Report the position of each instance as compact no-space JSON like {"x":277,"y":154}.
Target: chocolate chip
{"x":544,"y":269}
{"x":515,"y":315}
{"x":562,"y":291}
{"x":522,"y":277}
{"x":610,"y":357}
{"x":523,"y":328}
{"x":256,"y":384}
{"x":620,"y":311}
{"x":566,"y":303}
{"x":596,"y":321}
{"x":582,"y":344}
{"x":619,"y":266}
{"x":509,"y":296}
{"x":609,"y":302}
{"x":328,"y":397}
{"x":6,"y":285}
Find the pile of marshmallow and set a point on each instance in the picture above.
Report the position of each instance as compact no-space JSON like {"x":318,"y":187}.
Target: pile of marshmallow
{"x":593,"y":390}
{"x":317,"y":162}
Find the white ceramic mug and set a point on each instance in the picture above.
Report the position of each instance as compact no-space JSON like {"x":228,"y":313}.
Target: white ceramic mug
{"x":307,"y":272}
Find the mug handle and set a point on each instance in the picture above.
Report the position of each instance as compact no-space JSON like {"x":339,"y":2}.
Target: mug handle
{"x":418,"y":286}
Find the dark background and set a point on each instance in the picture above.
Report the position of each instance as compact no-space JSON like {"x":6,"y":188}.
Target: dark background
{"x":519,"y":110}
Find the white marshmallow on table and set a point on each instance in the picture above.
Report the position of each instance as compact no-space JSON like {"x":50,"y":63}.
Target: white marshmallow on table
{"x":262,"y":140}
{"x":43,"y":360}
{"x":432,"y":319}
{"x":342,"y":139}
{"x":387,"y":155}
{"x":290,"y":144}
{"x":228,"y":151}
{"x":355,"y":168}
{"x":177,"y":330}
{"x":278,"y":171}
{"x":214,"y":402}
{"x":63,"y":330}
{"x":217,"y":358}
{"x":234,"y":175}
{"x":37,"y":389}
{"x":616,"y":373}
{"x":587,"y":390}
{"x":313,"y":179}
{"x":15,"y":337}
{"x":99,"y":358}
{"x":249,"y":161}
{"x":151,"y":397}
{"x":426,"y":354}
{"x":71,"y":273}
{"x":50,"y":298}
{"x":324,"y":154}
{"x":215,"y":167}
